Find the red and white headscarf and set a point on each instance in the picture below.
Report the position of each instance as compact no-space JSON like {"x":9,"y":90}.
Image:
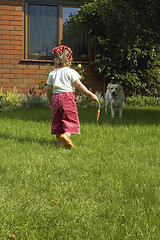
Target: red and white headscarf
{"x":59,"y":50}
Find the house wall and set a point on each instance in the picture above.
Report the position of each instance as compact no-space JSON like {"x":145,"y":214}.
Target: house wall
{"x":14,"y":70}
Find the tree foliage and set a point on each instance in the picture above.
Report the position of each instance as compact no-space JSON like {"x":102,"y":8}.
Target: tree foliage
{"x":126,"y":36}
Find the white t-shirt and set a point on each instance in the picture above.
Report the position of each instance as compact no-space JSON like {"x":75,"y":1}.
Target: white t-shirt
{"x":62,"y":79}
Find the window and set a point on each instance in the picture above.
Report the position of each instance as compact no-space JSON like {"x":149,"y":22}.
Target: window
{"x":49,"y":25}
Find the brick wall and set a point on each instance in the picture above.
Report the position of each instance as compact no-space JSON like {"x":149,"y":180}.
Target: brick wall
{"x":13,"y":70}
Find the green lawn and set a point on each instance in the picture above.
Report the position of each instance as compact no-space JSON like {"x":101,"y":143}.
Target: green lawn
{"x":106,"y":188}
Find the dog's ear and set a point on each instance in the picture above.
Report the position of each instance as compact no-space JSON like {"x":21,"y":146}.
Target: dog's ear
{"x":108,"y":86}
{"x":120,"y":87}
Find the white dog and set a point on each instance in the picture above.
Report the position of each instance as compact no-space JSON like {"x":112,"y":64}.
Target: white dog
{"x":115,"y":97}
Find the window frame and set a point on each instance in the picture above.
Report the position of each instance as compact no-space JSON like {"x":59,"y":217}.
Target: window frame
{"x":59,"y":6}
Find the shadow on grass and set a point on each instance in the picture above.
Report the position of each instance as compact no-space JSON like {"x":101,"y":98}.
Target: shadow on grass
{"x":131,"y":116}
{"x":41,"y":141}
{"x":28,"y":114}
{"x":87,"y":115}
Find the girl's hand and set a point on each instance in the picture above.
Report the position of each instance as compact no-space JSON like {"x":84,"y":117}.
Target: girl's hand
{"x":83,"y":89}
{"x":93,"y":97}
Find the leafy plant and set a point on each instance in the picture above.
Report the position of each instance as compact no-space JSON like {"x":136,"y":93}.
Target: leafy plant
{"x":9,"y":99}
{"x":142,"y":101}
{"x":80,"y":69}
{"x":31,"y":99}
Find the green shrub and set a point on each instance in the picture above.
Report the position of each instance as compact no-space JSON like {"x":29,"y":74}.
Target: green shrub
{"x":143,"y":101}
{"x":31,"y":100}
{"x":9,"y":99}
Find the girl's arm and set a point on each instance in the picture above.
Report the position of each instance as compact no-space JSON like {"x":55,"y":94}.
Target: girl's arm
{"x":82,"y":88}
{"x":49,"y":93}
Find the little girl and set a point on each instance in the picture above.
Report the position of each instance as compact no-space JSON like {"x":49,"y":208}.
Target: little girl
{"x":61,"y":84}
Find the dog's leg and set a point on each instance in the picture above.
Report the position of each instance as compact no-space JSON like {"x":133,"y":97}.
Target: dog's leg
{"x":106,"y":109}
{"x":106,"y":102}
{"x":112,"y":111}
{"x":120,"y":111}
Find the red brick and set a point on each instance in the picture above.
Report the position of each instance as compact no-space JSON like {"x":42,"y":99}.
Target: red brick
{"x":18,"y":71}
{"x":18,"y":28}
{"x":18,"y":47}
{"x":43,"y":77}
{"x":18,"y":18}
{"x":4,"y":80}
{"x":15,"y":62}
{"x":18,"y":37}
{"x":16,"y":80}
{"x":21,"y":66}
{"x":16,"y":23}
{"x":32,"y":86}
{"x":4,"y":70}
{"x":16,"y":13}
{"x":43,"y":67}
{"x":6,"y":56}
{"x":4,"y":51}
{"x":7,"y":7}
{"x":4,"y":32}
{"x":16,"y":52}
{"x":4,"y":61}
{"x":7,"y":37}
{"x":7,"y":27}
{"x":30,"y":80}
{"x":4,"y":12}
{"x":4,"y":42}
{"x":8,"y":17}
{"x":24,"y":90}
{"x":17,"y":33}
{"x":28,"y":71}
{"x":34,"y":76}
{"x":8,"y":75}
{"x":4,"y":22}
{"x":9,"y":66}
{"x":20,"y":76}
{"x":15,"y":42}
{"x":33,"y":66}
{"x":21,"y":85}
{"x":8,"y":46}
{"x":41,"y":72}
{"x":18,"y":56}
{"x":18,"y":8}
{"x":8,"y":85}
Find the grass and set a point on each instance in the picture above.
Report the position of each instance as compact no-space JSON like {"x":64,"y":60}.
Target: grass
{"x":106,"y":188}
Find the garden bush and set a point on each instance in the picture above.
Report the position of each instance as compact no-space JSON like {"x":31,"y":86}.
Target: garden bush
{"x":31,"y":99}
{"x":127,"y":50}
{"x":142,"y":101}
{"x":9,"y":99}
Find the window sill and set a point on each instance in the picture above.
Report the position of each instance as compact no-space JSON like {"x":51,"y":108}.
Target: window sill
{"x":84,"y":61}
{"x":35,"y":61}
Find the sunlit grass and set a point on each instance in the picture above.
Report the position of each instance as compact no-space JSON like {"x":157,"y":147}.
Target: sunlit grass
{"x":107,"y":187}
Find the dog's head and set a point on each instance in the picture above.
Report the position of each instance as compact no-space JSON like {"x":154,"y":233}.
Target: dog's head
{"x":114,"y":89}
